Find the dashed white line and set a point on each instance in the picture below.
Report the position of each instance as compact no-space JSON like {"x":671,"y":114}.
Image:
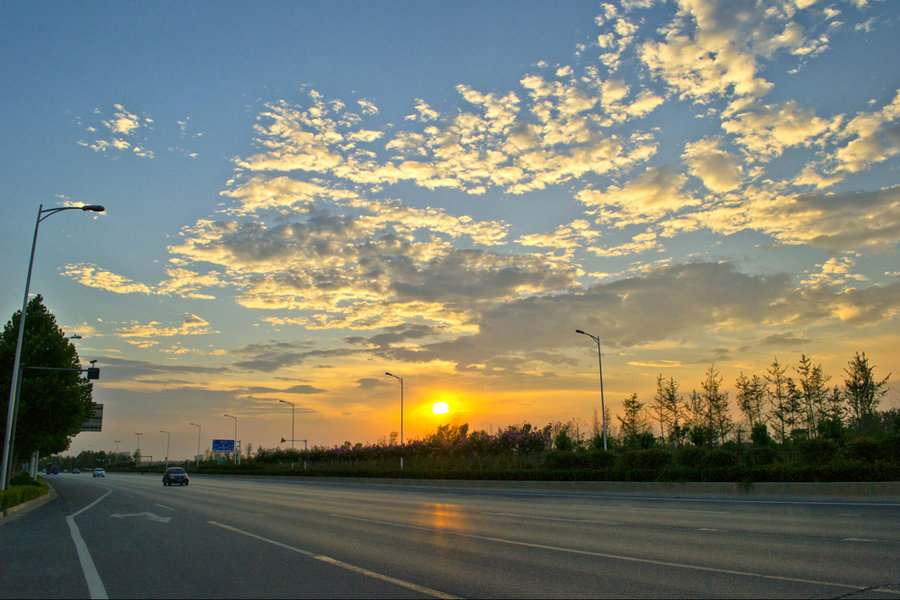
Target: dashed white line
{"x":332,"y":561}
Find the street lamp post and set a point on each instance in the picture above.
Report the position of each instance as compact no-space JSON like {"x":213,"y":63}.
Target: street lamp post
{"x":139,"y":447}
{"x":400,"y":379}
{"x":292,"y":429}
{"x":199,"y":431}
{"x":168,"y":437}
{"x":117,"y":450}
{"x":600,"y":365}
{"x":8,"y":442}
{"x":237,"y":455}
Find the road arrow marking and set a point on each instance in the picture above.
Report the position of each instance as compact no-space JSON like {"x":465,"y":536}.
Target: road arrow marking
{"x":147,"y":515}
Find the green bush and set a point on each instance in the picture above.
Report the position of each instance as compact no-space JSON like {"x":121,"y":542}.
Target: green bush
{"x":602,"y":459}
{"x":720,"y":458}
{"x":763,"y":455}
{"x":649,"y":459}
{"x":816,"y":451}
{"x":692,"y":456}
{"x":19,"y":493}
{"x":863,"y":448}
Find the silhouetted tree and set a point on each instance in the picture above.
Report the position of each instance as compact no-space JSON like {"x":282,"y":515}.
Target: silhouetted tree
{"x":863,"y":391}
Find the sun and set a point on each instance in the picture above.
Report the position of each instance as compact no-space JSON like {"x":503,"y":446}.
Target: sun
{"x":440,"y":408}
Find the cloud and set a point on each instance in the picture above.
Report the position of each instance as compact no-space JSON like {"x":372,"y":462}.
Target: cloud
{"x":191,"y":325}
{"x":119,"y":132}
{"x":97,"y":277}
{"x":719,"y":170}
{"x":653,"y":194}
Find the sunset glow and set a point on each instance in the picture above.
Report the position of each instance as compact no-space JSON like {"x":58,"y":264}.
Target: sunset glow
{"x":310,"y":195}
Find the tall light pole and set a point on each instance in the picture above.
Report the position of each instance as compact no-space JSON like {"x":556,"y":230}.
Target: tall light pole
{"x":292,"y":421}
{"x":117,"y":450}
{"x":600,"y":365}
{"x":12,"y":409}
{"x":400,"y":379}
{"x":139,"y":447}
{"x":237,"y":455}
{"x":199,"y":431}
{"x":168,"y":437}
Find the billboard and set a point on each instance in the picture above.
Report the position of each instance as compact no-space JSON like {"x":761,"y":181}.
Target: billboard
{"x":223,"y":446}
{"x":96,"y":420}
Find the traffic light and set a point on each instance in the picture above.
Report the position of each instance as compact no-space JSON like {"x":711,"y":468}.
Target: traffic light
{"x":93,"y":373}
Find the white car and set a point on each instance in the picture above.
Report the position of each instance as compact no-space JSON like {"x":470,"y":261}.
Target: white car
{"x":99,"y":472}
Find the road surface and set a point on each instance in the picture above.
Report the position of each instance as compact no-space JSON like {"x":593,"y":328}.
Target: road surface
{"x":226,"y":537}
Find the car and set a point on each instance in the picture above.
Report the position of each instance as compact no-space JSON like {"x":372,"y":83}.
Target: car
{"x":176,"y":475}
{"x":99,"y":472}
{"x":76,"y":471}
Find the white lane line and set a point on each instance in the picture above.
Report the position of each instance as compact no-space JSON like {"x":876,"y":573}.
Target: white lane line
{"x":91,"y":576}
{"x":332,"y":561}
{"x":538,"y":518}
{"x":634,"y":559}
{"x":162,"y":506}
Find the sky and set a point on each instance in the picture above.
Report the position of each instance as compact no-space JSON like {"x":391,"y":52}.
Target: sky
{"x":303,"y":196}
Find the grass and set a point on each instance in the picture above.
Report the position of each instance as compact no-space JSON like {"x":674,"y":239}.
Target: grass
{"x":22,"y":489}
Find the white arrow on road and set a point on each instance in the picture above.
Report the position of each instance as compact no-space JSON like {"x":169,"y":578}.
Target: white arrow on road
{"x":146,"y":515}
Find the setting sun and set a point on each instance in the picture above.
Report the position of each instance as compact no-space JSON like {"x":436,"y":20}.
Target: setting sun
{"x":440,"y":408}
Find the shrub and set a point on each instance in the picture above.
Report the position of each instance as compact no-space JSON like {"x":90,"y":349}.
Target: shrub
{"x":763,"y":455}
{"x":816,"y":450}
{"x":864,"y":449}
{"x":691,"y":456}
{"x":651,"y":458}
{"x":760,"y":435}
{"x":601,"y":459}
{"x":721,"y":458}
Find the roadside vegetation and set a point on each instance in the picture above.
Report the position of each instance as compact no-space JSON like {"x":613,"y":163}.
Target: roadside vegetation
{"x":22,"y":488}
{"x":790,"y":425}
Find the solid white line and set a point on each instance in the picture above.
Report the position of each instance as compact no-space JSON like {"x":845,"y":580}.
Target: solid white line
{"x":337,"y":563}
{"x":539,"y":518}
{"x":634,"y":559}
{"x":161,"y":506}
{"x":91,"y":576}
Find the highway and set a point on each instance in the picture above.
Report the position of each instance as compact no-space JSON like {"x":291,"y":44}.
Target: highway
{"x":229,"y":537}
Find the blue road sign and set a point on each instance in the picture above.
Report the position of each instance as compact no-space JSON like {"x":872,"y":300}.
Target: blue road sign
{"x":223,"y":445}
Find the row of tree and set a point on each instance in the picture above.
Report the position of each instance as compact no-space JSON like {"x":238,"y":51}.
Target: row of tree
{"x":798,"y":404}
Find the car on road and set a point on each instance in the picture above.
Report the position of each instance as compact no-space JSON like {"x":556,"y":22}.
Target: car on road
{"x":76,"y":471}
{"x":176,"y":475}
{"x":99,"y":472}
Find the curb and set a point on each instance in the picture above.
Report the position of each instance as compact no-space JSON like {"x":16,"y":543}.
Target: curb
{"x":20,"y":509}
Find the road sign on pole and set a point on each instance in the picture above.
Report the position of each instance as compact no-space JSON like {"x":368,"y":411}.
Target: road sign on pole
{"x":223,"y":446}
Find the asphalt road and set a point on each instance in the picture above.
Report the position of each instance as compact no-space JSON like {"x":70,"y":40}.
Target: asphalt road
{"x":220,"y":537}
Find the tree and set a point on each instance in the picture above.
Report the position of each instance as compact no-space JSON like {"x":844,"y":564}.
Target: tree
{"x":812,"y":393}
{"x":633,"y":423}
{"x":751,"y":393}
{"x":667,"y":406}
{"x":53,"y":405}
{"x":718,"y":423}
{"x":863,"y":391}
{"x":778,"y":392}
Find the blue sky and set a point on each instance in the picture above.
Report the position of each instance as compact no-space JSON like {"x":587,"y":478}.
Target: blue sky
{"x":301,"y":196}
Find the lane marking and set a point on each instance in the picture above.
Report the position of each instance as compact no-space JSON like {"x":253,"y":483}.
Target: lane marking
{"x":539,"y":518}
{"x":91,"y":576}
{"x":163,"y":506}
{"x":853,"y":539}
{"x":622,"y":557}
{"x":337,"y":563}
{"x":147,"y":515}
{"x":706,"y":529}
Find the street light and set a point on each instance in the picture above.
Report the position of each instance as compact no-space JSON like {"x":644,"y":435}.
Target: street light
{"x":139,"y":447}
{"x":199,"y":431}
{"x":600,"y":365}
{"x":400,"y":379}
{"x":117,"y":450}
{"x":168,"y":437}
{"x":292,"y":429}
{"x":237,"y":455}
{"x":8,"y":441}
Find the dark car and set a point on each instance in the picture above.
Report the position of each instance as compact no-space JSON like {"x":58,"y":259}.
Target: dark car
{"x":176,"y":475}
